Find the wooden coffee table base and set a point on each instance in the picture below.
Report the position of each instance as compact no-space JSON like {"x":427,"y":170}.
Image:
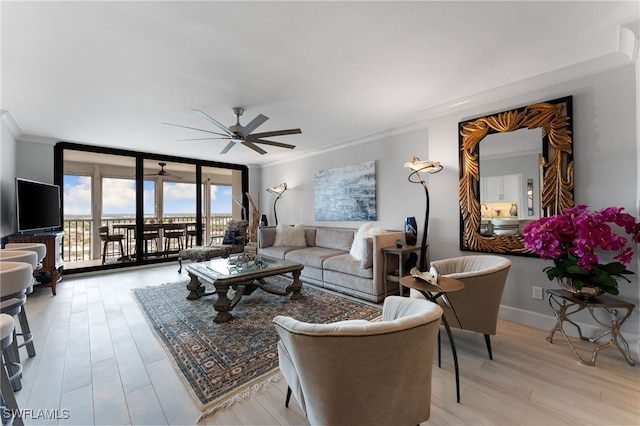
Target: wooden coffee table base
{"x":224,"y":305}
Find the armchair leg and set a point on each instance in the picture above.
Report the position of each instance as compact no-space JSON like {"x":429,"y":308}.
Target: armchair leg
{"x":487,"y":340}
{"x":286,"y":402}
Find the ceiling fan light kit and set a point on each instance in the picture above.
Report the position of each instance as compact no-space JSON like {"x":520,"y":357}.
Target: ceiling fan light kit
{"x":238,"y":134}
{"x":163,"y":172}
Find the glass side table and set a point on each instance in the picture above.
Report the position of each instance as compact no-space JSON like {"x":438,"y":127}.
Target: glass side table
{"x":564,"y":304}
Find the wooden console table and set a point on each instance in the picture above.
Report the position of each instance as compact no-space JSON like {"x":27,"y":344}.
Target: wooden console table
{"x":53,"y":262}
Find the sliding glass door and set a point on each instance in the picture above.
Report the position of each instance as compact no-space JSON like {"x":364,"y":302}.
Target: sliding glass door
{"x":154,"y":205}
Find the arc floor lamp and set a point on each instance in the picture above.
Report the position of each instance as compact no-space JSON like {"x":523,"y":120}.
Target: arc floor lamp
{"x":418,"y":166}
{"x":279,"y":190}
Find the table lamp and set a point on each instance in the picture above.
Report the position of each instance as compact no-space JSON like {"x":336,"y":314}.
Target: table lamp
{"x":417,"y":166}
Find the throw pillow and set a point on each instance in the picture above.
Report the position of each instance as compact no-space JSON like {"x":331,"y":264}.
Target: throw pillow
{"x":358,"y":241}
{"x":290,"y":236}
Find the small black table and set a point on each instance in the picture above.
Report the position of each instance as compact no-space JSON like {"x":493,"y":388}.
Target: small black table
{"x":564,"y":304}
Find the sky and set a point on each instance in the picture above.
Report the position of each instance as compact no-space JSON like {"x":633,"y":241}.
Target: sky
{"x":119,"y":197}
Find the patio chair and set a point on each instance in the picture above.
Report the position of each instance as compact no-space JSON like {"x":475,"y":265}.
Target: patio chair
{"x":173,"y":231}
{"x":107,"y":238}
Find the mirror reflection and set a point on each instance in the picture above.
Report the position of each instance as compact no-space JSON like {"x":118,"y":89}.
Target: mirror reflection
{"x":515,"y":166}
{"x":508,"y":161}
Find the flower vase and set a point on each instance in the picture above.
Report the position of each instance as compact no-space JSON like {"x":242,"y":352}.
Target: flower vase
{"x":411,"y":231}
{"x":585,"y":292}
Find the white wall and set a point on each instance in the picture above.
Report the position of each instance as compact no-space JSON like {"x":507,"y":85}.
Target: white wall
{"x":605,"y":173}
{"x":35,"y":161}
{"x":396,"y":197}
{"x":604,"y":110}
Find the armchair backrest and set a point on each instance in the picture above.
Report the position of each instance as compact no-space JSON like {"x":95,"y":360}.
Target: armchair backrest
{"x":476,"y":306}
{"x":360,"y":372}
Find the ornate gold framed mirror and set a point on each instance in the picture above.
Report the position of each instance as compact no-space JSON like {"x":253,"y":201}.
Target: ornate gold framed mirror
{"x":522,"y":171}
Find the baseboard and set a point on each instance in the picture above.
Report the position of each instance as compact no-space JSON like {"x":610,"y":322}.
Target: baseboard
{"x":546,"y":322}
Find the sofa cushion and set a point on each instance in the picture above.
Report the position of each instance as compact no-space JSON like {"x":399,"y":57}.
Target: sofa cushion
{"x":290,"y":236}
{"x":312,"y":256}
{"x":310,"y":235}
{"x":276,"y":252}
{"x":335,"y":238}
{"x":347,"y":265}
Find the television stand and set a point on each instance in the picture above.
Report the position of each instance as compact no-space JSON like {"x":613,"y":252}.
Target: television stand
{"x":53,"y":263}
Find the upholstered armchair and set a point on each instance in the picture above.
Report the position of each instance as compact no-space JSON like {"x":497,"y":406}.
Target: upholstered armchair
{"x":360,"y":372}
{"x":475,"y":307}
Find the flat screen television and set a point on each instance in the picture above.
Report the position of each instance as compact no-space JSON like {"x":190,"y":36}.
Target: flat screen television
{"x":38,"y":206}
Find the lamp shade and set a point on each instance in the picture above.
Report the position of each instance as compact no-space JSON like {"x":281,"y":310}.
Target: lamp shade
{"x":278,"y":190}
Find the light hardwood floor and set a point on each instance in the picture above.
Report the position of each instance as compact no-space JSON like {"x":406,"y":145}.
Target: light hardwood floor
{"x":98,"y":359}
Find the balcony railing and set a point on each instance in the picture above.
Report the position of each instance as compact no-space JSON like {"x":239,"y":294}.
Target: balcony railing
{"x":78,"y":234}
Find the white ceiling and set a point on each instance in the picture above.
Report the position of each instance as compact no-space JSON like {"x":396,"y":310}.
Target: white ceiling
{"x":109,"y":73}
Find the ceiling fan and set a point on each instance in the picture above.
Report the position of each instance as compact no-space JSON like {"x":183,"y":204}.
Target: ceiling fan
{"x":238,"y":134}
{"x":163,"y":172}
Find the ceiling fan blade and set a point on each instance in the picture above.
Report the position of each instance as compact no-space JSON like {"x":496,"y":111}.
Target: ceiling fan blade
{"x":194,"y":128}
{"x":275,"y":133}
{"x":254,"y":147}
{"x":202,"y":139}
{"x":228,"y":147}
{"x":278,"y":144}
{"x":214,"y":121}
{"x":253,"y":124}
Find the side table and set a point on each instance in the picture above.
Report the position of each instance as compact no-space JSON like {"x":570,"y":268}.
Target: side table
{"x":431,"y":292}
{"x":401,"y":253}
{"x":564,"y":304}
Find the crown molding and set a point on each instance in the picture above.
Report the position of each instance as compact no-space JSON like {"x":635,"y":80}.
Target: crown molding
{"x":594,"y":66}
{"x":10,"y":124}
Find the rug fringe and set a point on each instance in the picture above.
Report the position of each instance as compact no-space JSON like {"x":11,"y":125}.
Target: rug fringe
{"x":244,"y":393}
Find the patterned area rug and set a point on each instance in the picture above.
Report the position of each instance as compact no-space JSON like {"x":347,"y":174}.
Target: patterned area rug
{"x":222,"y":363}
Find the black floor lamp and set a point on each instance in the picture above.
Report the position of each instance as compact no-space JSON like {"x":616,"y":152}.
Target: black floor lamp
{"x":418,"y":167}
{"x":279,"y":190}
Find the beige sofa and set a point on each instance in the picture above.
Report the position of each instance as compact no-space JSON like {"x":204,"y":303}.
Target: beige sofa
{"x":328,"y":263}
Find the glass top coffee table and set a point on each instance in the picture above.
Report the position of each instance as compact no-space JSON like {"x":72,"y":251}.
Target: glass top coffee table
{"x":243,"y":275}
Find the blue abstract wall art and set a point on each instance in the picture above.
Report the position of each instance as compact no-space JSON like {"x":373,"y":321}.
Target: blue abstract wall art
{"x":346,"y":193}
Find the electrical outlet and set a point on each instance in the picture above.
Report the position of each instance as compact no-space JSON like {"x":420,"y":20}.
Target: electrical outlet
{"x":537,"y":293}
